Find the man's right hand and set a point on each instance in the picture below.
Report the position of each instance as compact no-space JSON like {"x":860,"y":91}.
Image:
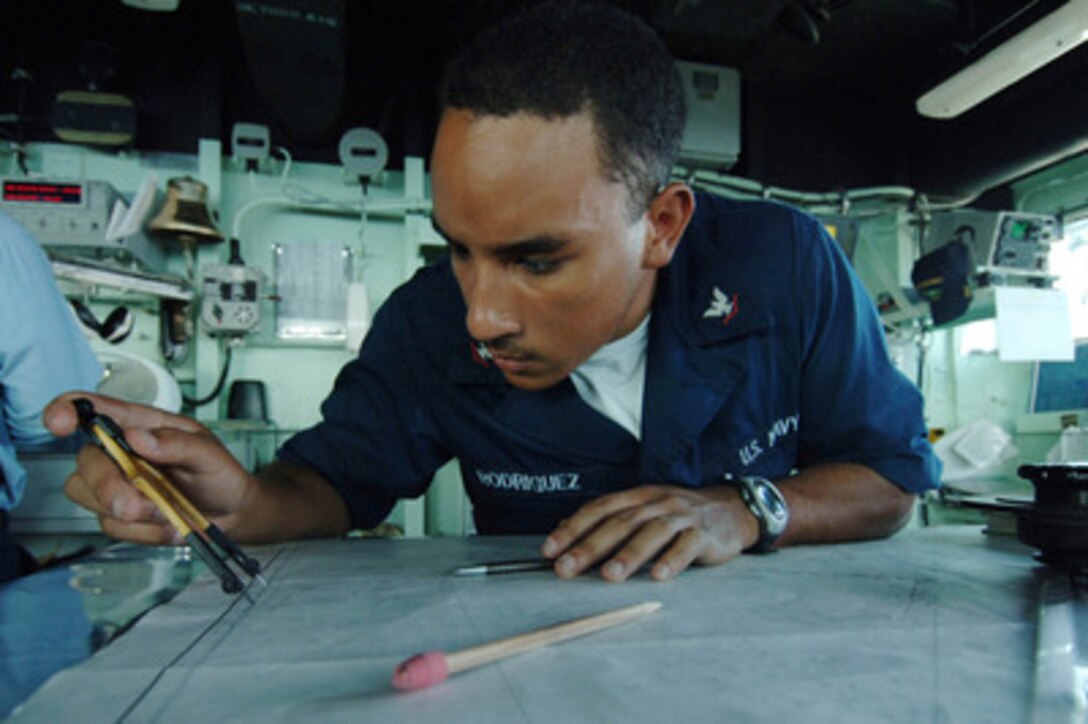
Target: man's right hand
{"x":183,"y":449}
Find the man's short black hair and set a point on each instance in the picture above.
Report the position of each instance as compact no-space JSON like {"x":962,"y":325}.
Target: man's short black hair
{"x":557,"y":59}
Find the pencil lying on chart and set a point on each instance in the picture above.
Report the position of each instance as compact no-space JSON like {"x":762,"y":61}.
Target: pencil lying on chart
{"x":494,"y":568}
{"x":200,"y":533}
{"x":433,"y":667}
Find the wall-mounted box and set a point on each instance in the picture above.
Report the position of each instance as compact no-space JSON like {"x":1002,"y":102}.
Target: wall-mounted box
{"x":712,"y":133}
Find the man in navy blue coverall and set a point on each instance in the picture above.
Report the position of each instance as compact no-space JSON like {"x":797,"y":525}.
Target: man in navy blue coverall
{"x":605,"y":352}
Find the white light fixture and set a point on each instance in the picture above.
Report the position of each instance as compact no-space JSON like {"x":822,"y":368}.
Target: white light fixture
{"x":88,"y":272}
{"x":1052,"y":36}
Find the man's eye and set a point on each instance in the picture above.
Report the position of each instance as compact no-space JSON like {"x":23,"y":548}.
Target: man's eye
{"x":539,"y":266}
{"x":458,"y":252}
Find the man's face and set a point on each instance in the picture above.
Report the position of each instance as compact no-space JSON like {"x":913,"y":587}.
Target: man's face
{"x":548,"y":260}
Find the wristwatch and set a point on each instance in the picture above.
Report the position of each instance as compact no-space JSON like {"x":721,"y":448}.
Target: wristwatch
{"x":766,"y":503}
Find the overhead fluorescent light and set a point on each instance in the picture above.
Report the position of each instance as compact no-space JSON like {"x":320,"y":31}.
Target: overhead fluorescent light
{"x":1052,"y":36}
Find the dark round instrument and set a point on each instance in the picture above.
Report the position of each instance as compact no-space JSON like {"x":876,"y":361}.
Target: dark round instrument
{"x":1055,"y":521}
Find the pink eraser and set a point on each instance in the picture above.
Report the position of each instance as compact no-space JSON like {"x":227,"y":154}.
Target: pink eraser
{"x":421,"y":671}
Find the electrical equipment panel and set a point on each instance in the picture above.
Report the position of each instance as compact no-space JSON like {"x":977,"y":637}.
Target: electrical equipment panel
{"x":712,"y":132}
{"x":73,"y":217}
{"x":1005,"y":246}
{"x":230,"y":300}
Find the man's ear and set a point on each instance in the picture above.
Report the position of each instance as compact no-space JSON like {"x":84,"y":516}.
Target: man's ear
{"x":669,"y":214}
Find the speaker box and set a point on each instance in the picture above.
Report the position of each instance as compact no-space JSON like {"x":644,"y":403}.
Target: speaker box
{"x":103,"y":119}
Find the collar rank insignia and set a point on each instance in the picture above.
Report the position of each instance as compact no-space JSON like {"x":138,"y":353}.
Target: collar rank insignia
{"x":721,"y":306}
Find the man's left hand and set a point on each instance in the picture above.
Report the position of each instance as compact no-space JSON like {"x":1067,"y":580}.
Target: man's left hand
{"x":673,"y":526}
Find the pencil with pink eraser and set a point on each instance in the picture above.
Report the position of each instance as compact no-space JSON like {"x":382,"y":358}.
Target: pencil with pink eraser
{"x":433,"y":667}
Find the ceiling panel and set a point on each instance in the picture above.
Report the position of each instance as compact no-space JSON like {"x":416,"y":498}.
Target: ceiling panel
{"x":828,"y":86}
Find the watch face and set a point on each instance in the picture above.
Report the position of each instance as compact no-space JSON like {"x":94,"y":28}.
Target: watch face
{"x":770,"y":500}
{"x":769,"y":508}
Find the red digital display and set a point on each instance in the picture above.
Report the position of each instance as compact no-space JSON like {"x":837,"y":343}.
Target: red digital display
{"x":43,"y":192}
